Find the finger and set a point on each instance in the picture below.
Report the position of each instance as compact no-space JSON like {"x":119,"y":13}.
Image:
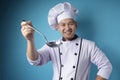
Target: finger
{"x":24,"y":22}
{"x":27,"y":31}
{"x":26,"y":27}
{"x":29,"y":23}
{"x":30,"y":30}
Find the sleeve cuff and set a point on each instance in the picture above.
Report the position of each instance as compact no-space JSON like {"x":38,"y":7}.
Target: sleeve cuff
{"x":36,"y":62}
{"x":105,"y":73}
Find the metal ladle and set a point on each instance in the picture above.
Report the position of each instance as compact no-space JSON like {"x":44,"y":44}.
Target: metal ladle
{"x":50,"y":44}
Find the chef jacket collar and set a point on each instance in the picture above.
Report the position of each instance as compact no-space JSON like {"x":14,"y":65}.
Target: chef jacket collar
{"x":75,"y":37}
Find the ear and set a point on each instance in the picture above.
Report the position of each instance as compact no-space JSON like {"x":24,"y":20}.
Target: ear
{"x":76,"y":24}
{"x":58,"y":28}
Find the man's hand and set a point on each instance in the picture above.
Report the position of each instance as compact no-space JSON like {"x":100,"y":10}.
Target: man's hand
{"x":100,"y":78}
{"x":26,"y":30}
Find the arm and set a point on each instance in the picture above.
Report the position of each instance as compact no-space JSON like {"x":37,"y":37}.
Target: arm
{"x":31,"y":51}
{"x":100,"y":78}
{"x":102,"y":62}
{"x":28,"y":33}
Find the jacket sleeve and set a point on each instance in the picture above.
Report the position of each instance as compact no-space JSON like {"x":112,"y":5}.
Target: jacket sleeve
{"x":99,"y":58}
{"x":43,"y":57}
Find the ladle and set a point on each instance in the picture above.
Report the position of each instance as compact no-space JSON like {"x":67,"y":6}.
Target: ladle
{"x":50,"y":44}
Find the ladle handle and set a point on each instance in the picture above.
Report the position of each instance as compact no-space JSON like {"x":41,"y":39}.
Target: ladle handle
{"x":38,"y":32}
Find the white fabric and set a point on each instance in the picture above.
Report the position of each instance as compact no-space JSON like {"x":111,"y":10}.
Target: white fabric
{"x":65,"y":15}
{"x":90,"y":53}
{"x":60,"y":12}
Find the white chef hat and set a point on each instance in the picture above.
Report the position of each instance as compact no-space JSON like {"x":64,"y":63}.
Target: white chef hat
{"x":60,"y":12}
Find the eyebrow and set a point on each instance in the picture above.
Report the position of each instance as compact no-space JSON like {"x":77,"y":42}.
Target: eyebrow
{"x":72,"y":21}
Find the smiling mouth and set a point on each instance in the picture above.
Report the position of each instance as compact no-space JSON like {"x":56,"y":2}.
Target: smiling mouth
{"x":68,"y":32}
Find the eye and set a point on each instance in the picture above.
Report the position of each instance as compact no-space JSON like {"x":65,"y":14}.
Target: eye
{"x":72,"y":23}
{"x":62,"y":25}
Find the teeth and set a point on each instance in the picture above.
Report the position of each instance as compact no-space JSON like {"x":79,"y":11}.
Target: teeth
{"x":68,"y":32}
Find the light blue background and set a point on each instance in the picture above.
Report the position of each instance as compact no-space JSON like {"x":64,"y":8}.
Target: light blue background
{"x":99,"y":21}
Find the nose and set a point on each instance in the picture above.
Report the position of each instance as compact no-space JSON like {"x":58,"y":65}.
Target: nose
{"x":67,"y":26}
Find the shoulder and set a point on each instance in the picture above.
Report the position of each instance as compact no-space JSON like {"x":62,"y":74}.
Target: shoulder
{"x":87,"y":43}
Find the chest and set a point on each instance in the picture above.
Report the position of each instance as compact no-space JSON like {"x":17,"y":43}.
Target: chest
{"x":69,"y":52}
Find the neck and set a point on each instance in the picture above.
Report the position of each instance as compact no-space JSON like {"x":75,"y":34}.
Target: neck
{"x":74,"y":37}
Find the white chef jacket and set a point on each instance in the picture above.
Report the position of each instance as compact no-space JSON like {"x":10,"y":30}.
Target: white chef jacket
{"x":72,"y":60}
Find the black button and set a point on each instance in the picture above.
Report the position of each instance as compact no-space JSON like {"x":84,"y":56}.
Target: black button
{"x":61,"y":78}
{"x":75,"y":54}
{"x":76,"y":44}
{"x":62,"y":65}
{"x":71,"y":78}
{"x":73,"y":66}
{"x":60,"y":53}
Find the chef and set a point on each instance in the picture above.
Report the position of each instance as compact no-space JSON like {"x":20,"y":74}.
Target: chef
{"x":72,"y":59}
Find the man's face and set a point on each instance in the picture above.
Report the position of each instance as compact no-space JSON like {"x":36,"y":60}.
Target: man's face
{"x":67,"y":27}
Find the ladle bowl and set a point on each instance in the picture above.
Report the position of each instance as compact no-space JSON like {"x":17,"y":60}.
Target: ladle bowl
{"x":53,"y":44}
